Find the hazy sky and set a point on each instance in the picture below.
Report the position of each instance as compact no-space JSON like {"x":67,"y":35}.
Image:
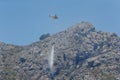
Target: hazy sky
{"x":23,"y":21}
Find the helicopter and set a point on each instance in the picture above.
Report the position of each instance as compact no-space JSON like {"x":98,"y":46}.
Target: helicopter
{"x":53,"y":16}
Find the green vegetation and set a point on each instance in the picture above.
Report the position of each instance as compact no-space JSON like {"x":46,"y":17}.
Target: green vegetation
{"x":43,"y":36}
{"x":109,"y":77}
{"x":8,"y":73}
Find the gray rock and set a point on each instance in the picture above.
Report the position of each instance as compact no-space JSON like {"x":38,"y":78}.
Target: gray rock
{"x":81,"y":53}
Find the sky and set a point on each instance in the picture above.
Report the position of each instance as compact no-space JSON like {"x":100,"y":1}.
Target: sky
{"x":22,"y":22}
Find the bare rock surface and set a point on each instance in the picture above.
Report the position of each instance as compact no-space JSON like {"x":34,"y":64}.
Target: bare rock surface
{"x":80,"y":53}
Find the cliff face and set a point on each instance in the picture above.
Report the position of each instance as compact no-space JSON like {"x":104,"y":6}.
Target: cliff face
{"x":80,"y":53}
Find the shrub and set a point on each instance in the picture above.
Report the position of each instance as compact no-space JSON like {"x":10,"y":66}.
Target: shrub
{"x":109,"y":77}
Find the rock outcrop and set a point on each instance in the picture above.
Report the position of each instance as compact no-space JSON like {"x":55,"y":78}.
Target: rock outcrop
{"x":80,"y":53}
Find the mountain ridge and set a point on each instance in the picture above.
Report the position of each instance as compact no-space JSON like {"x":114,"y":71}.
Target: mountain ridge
{"x":81,"y":53}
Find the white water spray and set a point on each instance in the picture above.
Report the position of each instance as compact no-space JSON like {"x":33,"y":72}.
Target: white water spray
{"x":51,"y":57}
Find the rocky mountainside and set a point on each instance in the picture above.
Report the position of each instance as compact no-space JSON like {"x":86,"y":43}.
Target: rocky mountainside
{"x":79,"y":53}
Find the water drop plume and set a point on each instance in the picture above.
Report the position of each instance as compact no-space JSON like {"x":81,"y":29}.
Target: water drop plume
{"x":51,"y":58}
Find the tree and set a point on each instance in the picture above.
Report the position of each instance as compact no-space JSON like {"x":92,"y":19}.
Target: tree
{"x":43,"y":36}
